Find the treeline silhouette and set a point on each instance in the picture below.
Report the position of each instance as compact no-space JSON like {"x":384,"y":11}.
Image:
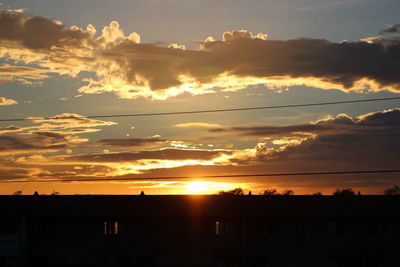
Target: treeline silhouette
{"x":393,"y":190}
{"x":20,"y":192}
{"x":269,"y":192}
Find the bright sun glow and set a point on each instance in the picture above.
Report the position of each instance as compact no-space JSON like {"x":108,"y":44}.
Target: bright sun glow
{"x":203,"y":187}
{"x":197,"y":187}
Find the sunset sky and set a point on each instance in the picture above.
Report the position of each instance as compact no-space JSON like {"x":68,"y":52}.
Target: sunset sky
{"x":65,"y":60}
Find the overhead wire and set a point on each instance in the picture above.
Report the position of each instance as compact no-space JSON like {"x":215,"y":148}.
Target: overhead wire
{"x":210,"y":111}
{"x":113,"y":179}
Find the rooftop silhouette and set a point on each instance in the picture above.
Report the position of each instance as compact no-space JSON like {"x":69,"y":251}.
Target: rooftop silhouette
{"x":195,"y":230}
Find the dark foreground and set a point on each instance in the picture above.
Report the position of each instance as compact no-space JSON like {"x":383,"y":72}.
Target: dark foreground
{"x":200,"y":231}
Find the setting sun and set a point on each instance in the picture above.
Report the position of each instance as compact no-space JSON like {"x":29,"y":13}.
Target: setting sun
{"x":203,"y":187}
{"x":197,"y":187}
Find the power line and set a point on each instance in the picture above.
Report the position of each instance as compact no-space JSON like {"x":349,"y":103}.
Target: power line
{"x":209,"y":176}
{"x":211,"y":110}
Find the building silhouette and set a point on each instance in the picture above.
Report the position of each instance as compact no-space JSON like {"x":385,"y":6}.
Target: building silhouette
{"x":200,"y":231}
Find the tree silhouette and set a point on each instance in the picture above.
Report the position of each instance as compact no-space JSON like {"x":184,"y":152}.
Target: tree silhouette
{"x":317,"y":194}
{"x":270,"y":192}
{"x":274,"y":192}
{"x":235,"y":192}
{"x":344,"y":192}
{"x":287,"y":192}
{"x":17,"y":193}
{"x":395,"y":190}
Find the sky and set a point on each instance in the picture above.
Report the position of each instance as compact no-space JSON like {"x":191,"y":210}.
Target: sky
{"x":62,"y":61}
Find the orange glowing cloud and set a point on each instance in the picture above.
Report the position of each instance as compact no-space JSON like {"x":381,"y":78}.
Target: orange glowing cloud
{"x":6,"y":101}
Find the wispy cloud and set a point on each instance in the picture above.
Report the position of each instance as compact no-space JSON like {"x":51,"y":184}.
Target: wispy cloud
{"x":197,"y":125}
{"x":21,"y":74}
{"x":52,"y":134}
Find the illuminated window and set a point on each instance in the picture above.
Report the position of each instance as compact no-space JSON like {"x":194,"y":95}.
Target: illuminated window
{"x":111,"y":228}
{"x":220,"y":228}
{"x":116,"y":227}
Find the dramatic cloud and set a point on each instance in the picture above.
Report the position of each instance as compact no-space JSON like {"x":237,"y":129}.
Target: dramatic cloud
{"x":243,"y":60}
{"x":124,"y":66}
{"x":6,"y":101}
{"x":50,"y":47}
{"x":369,"y":141}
